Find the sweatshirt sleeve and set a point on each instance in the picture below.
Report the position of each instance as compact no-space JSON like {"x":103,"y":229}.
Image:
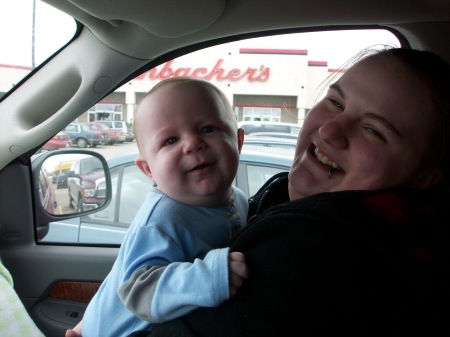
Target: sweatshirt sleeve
{"x":161,"y":293}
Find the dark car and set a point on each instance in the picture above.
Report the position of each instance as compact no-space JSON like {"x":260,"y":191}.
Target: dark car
{"x":81,"y":183}
{"x":84,"y":135}
{"x":61,"y":181}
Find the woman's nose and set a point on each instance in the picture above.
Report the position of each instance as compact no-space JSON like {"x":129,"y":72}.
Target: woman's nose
{"x":335,"y":132}
{"x":193,"y":143}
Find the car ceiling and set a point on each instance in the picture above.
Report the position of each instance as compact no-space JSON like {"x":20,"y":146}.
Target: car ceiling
{"x":168,"y":23}
{"x":135,"y":33}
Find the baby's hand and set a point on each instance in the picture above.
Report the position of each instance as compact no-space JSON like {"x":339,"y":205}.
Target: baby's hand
{"x":72,"y":333}
{"x":238,"y":271}
{"x":75,"y":332}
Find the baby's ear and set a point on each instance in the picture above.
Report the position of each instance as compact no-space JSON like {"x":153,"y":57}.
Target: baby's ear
{"x":240,"y":136}
{"x":144,"y":167}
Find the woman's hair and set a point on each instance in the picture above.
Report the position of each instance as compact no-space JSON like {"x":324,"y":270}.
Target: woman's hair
{"x":435,"y":73}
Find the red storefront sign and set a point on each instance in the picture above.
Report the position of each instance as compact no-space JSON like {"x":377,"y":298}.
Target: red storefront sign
{"x":217,"y":72}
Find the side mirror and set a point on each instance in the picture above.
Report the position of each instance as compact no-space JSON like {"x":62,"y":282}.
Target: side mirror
{"x":67,"y":184}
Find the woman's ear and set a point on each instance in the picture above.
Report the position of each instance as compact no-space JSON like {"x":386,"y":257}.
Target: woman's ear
{"x":143,"y":166}
{"x":429,"y":178}
{"x":240,"y":136}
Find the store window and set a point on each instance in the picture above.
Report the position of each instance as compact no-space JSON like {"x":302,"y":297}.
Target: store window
{"x":105,"y":112}
{"x":262,"y":114}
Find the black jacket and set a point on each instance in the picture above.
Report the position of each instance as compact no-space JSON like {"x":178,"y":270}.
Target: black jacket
{"x":352,"y":263}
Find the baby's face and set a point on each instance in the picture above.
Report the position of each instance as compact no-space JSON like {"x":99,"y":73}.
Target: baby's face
{"x":189,"y":142}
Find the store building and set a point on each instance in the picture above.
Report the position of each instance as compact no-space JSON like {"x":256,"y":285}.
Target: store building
{"x":262,"y":84}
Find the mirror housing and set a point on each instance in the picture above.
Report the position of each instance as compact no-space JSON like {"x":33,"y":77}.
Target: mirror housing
{"x":68,"y":184}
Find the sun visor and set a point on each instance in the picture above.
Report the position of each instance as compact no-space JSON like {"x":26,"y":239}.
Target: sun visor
{"x":163,"y":18}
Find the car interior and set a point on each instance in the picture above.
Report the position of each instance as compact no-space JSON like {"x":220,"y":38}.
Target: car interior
{"x":101,"y":49}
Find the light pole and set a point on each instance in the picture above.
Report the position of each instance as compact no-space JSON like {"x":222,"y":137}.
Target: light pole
{"x":33,"y":32}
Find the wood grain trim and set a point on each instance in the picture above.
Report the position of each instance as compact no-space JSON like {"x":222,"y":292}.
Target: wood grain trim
{"x":74,"y":291}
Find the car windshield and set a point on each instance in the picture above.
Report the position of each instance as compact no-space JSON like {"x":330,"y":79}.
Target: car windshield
{"x":104,"y":126}
{"x":90,"y":165}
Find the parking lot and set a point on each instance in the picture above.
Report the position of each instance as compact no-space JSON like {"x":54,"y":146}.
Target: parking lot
{"x":109,"y":151}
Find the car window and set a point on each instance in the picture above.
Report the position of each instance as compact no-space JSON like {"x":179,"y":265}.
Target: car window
{"x":71,"y":128}
{"x":258,"y":175}
{"x":109,"y":213}
{"x":134,"y":188}
{"x":271,"y":82}
{"x":27,"y":43}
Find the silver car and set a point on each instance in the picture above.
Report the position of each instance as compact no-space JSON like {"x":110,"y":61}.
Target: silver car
{"x":130,"y":186}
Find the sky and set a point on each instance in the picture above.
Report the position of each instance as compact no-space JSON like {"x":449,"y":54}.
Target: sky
{"x":16,"y":31}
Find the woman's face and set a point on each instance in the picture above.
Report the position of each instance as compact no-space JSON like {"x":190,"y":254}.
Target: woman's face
{"x":369,"y":132}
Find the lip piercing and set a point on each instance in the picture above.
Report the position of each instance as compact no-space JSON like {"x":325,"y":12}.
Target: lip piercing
{"x":329,"y":173}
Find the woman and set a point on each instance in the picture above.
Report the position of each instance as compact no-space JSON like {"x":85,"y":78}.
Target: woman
{"x":355,"y":241}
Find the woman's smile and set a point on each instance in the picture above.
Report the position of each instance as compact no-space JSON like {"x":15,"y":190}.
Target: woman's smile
{"x":324,"y":159}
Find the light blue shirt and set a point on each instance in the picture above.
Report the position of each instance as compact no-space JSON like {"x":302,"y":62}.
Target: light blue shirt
{"x":168,"y":265}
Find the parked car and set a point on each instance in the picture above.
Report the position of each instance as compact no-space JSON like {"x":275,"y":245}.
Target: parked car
{"x":123,"y":126}
{"x":61,"y":181}
{"x":130,"y":186}
{"x":84,"y":135}
{"x":267,"y":56}
{"x":82,"y":183}
{"x":271,"y":142}
{"x":274,"y":135}
{"x":46,"y":192}
{"x":255,"y":126}
{"x":58,"y":141}
{"x":115,"y":136}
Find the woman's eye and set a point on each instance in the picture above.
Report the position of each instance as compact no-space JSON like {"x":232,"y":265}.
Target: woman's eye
{"x":207,"y":129}
{"x":171,"y":140}
{"x":336,"y":103}
{"x":376,"y":133}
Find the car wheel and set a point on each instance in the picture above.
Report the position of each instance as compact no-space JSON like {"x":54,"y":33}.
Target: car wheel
{"x":82,"y":142}
{"x":112,"y":142}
